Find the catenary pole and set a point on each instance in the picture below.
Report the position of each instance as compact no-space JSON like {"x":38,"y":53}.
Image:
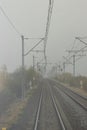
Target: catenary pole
{"x":73,"y":65}
{"x":23,"y":84}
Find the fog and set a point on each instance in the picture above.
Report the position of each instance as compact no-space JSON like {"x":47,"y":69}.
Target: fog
{"x":68,"y":21}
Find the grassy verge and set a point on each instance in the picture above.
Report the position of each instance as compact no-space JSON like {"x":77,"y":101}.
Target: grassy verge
{"x":15,"y":111}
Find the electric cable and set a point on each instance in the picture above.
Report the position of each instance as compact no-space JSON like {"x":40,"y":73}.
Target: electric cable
{"x":10,"y":22}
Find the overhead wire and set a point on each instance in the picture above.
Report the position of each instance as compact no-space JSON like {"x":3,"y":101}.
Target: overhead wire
{"x":69,"y":56}
{"x":81,"y":41}
{"x":9,"y":20}
{"x":72,"y":49}
{"x":73,"y":44}
{"x":77,"y":51}
{"x":85,"y":37}
{"x":34,"y":47}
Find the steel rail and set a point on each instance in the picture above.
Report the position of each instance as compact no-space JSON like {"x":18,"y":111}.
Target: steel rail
{"x":77,"y":94}
{"x":57,"y":111}
{"x":74,"y":99}
{"x":84,"y":97}
{"x":38,"y":113}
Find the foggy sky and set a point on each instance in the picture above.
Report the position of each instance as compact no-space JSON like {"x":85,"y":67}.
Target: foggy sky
{"x":69,"y":19}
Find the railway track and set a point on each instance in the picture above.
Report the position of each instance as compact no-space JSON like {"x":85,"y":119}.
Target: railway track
{"x":70,"y":90}
{"x":46,"y":111}
{"x":80,"y":100}
{"x":58,"y":83}
{"x":75,"y":113}
{"x":58,"y":117}
{"x":57,"y":111}
{"x":84,"y":97}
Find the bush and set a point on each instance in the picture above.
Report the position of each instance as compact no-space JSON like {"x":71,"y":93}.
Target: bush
{"x":14,"y":81}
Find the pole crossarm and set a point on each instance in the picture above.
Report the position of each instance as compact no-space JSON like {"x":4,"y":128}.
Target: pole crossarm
{"x":82,"y":49}
{"x":32,"y":38}
{"x":80,"y":56}
{"x":76,"y":51}
{"x":81,"y":40}
{"x":74,"y":55}
{"x":67,"y":60}
{"x":33,"y":47}
{"x":41,"y":51}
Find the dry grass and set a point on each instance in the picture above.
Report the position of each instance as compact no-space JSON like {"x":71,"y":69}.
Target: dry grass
{"x":78,"y":90}
{"x":14,"y":112}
